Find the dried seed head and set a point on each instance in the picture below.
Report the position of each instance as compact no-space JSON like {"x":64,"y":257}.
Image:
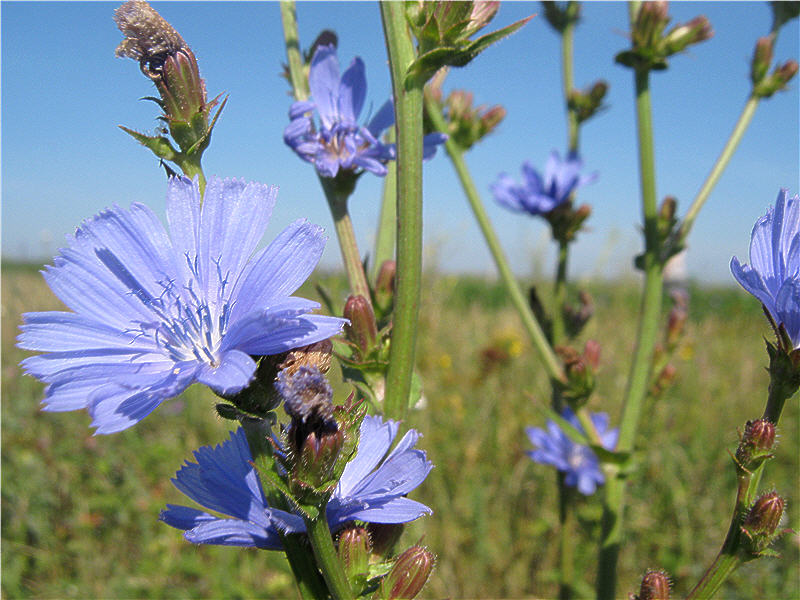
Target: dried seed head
{"x":148,"y":37}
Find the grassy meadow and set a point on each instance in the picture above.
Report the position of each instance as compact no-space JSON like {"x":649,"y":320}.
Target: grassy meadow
{"x":79,"y":512}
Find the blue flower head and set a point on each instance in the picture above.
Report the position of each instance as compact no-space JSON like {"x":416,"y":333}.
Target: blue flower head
{"x":372,"y":489}
{"x":578,"y":462}
{"x":338,"y":142}
{"x":773,"y":275}
{"x":153,"y":312}
{"x":537,"y":194}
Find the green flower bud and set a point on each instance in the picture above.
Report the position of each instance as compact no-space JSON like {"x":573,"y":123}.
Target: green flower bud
{"x":756,"y":443}
{"x":762,"y":59}
{"x":760,"y":525}
{"x":362,"y":331}
{"x":354,"y":551}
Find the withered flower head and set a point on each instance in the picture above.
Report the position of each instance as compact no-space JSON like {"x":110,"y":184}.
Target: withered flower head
{"x":148,"y":37}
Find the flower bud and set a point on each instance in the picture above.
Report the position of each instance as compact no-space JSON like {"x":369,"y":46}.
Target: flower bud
{"x":756,"y":443}
{"x":693,"y":32}
{"x":587,"y":102}
{"x":650,"y":22}
{"x":777,"y":80}
{"x":655,"y":586}
{"x":764,"y":516}
{"x":783,"y":11}
{"x":560,"y":14}
{"x":576,"y":317}
{"x":362,"y":330}
{"x":409,"y":574}
{"x":318,"y":454}
{"x":354,"y":550}
{"x":762,"y":58}
{"x":483,"y":11}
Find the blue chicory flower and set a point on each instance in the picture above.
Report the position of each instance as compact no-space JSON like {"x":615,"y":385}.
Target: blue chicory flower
{"x":773,"y":275}
{"x":372,"y":489}
{"x":538,"y":194}
{"x":153,"y":312}
{"x":578,"y":462}
{"x":340,"y":142}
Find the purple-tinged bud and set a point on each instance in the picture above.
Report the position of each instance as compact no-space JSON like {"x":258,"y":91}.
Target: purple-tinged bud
{"x":650,"y":22}
{"x":765,"y":515}
{"x":384,"y":537}
{"x":318,"y":453}
{"x":354,"y":551}
{"x":598,"y":91}
{"x":585,"y":103}
{"x":787,"y":71}
{"x":762,"y":58}
{"x":362,"y":330}
{"x":693,"y":32}
{"x":492,"y":118}
{"x":655,"y":586}
{"x":409,"y":574}
{"x":591,"y":353}
{"x":668,"y":207}
{"x":576,"y":317}
{"x":483,"y":11}
{"x":776,"y":81}
{"x":756,"y":443}
{"x":579,"y":369}
{"x":676,"y":324}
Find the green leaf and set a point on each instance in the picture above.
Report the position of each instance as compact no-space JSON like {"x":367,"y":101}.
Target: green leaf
{"x":159,"y":145}
{"x":487,"y":40}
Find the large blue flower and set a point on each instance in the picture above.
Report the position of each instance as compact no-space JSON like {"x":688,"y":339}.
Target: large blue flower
{"x":339,"y":142}
{"x":539,"y":194}
{"x":372,"y":489}
{"x":578,"y":462}
{"x":773,"y":275}
{"x":155,"y":312}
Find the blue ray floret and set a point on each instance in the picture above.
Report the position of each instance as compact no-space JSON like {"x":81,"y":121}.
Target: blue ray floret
{"x":338,"y":142}
{"x":539,"y":194}
{"x":773,"y":275}
{"x":154,"y":312}
{"x":372,"y":489}
{"x":578,"y":462}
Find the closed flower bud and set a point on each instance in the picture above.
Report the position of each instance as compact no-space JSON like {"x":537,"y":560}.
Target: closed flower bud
{"x":650,"y":22}
{"x":362,"y":330}
{"x":655,"y":586}
{"x":693,"y":32}
{"x":765,"y":515}
{"x":787,"y":71}
{"x":483,"y":11}
{"x":354,"y":550}
{"x":783,"y":11}
{"x":561,"y":14}
{"x":756,"y":444}
{"x":762,"y":58}
{"x":776,"y":81}
{"x":409,"y":574}
{"x":318,"y":454}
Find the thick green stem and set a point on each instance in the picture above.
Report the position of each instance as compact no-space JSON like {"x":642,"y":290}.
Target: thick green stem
{"x":643,"y":355}
{"x":719,"y":166}
{"x":327,"y":559}
{"x":566,"y":540}
{"x":538,"y":339}
{"x":408,"y":119}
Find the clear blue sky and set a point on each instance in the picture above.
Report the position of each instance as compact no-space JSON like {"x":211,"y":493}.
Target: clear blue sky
{"x":64,"y":159}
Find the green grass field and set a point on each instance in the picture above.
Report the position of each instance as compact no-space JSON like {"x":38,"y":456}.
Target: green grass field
{"x":79,"y":513}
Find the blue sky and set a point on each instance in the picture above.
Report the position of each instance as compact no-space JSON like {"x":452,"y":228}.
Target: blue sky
{"x":64,"y":159}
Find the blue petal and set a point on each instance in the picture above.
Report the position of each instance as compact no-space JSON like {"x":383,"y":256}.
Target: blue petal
{"x":232,"y":375}
{"x":382,"y":119}
{"x":323,"y":81}
{"x":183,"y":517}
{"x":395,"y":510}
{"x":352,"y":91}
{"x":280,"y":269}
{"x":234,"y":532}
{"x":375,"y":439}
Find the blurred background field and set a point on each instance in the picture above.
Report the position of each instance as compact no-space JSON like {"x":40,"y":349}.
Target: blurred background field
{"x":79,"y":513}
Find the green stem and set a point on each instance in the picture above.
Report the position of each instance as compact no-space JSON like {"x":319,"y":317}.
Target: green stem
{"x":719,"y":166}
{"x":321,"y":542}
{"x":291,"y":39}
{"x":191,"y":168}
{"x":560,"y":294}
{"x":566,"y":517}
{"x":337,"y":202}
{"x":408,"y":119}
{"x":538,"y":339}
{"x":643,"y":355}
{"x":569,"y":84}
{"x":387,"y":222}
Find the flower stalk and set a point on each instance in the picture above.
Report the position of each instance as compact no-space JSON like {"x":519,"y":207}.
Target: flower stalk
{"x":408,"y":119}
{"x":327,"y":559}
{"x":648,"y":331}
